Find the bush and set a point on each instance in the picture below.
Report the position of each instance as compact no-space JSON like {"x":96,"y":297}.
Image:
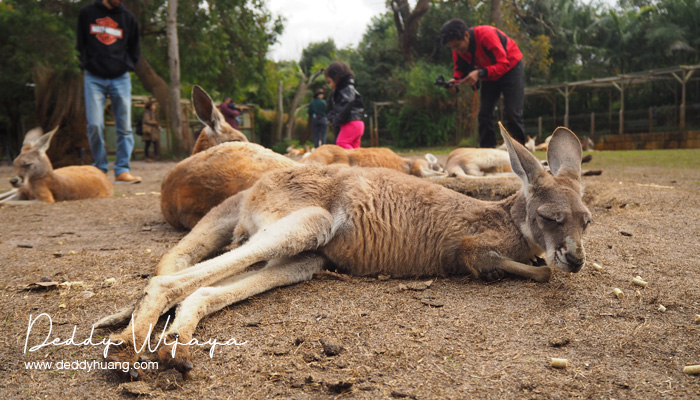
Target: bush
{"x":418,"y":128}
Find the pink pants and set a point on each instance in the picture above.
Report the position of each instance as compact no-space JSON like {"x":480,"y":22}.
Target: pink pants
{"x":350,"y":135}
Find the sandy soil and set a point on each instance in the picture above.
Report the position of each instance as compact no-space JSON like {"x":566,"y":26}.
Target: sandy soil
{"x":459,"y":338}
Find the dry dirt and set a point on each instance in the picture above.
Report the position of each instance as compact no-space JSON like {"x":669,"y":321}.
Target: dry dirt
{"x":460,"y":338}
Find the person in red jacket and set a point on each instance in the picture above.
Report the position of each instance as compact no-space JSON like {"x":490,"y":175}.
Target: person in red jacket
{"x":484,"y":53}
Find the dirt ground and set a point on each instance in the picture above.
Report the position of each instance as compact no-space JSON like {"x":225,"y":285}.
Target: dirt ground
{"x":364,"y":337}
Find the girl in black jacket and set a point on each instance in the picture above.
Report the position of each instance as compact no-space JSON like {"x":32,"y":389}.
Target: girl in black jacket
{"x":345,"y":106}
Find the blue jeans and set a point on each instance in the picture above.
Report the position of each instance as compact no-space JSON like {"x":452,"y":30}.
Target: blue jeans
{"x":320,"y":128}
{"x":119,"y":91}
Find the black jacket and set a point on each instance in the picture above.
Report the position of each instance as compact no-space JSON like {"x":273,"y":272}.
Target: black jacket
{"x":108,"y":40}
{"x":345,"y":104}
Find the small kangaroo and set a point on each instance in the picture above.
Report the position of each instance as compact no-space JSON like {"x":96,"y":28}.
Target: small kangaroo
{"x":212,"y":174}
{"x":363,"y":221}
{"x":329,"y":154}
{"x":35,"y":179}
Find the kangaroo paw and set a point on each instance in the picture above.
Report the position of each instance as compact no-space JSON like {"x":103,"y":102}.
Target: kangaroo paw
{"x":492,"y":274}
{"x":181,"y":360}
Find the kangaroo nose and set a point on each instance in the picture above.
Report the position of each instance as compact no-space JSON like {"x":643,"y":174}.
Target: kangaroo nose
{"x":15,"y":181}
{"x":575,"y":261}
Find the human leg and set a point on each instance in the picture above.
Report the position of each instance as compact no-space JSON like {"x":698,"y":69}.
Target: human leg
{"x":490,"y":92}
{"x":146,"y":145}
{"x":95,"y":98}
{"x":513,"y":87}
{"x":350,"y":135}
{"x":120,"y":93}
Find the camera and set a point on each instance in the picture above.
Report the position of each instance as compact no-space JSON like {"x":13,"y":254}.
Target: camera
{"x":440,"y":81}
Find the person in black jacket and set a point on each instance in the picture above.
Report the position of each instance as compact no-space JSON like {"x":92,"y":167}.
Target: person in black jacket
{"x":345,"y":107}
{"x":108,"y":43}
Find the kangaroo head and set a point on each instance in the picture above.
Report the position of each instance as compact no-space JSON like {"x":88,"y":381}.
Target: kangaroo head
{"x":555,"y":216}
{"x":217,"y":130}
{"x":32,"y":162}
{"x":434,"y":164}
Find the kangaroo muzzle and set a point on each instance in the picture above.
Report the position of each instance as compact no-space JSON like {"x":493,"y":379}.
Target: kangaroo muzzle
{"x":16,"y":181}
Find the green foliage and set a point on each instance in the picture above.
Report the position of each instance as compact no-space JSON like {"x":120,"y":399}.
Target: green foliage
{"x":414,"y":127}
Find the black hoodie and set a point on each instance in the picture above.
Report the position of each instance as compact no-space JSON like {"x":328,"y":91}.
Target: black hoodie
{"x":108,"y":40}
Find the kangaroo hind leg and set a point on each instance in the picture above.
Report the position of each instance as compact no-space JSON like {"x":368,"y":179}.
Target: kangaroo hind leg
{"x":207,"y":300}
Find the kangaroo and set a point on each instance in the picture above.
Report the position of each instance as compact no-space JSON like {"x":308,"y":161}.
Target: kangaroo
{"x":364,"y":221}
{"x":374,"y":157}
{"x":475,"y":162}
{"x":35,"y":180}
{"x":231,"y":164}
{"x":216,"y":129}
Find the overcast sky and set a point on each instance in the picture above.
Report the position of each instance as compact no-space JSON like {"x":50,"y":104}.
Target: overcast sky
{"x":309,"y":21}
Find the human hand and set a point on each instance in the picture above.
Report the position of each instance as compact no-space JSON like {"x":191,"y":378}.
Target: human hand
{"x":472,"y":78}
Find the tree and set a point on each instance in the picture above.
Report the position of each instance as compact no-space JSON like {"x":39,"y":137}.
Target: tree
{"x":407,"y":22}
{"x":304,"y":84}
{"x":181,"y":133}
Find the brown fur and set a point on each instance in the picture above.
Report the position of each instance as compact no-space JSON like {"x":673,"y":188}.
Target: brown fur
{"x":216,"y":130}
{"x":365,"y":221}
{"x":477,"y":162}
{"x":370,"y":157}
{"x":35,"y":178}
{"x":223,"y":163}
{"x":204,"y":180}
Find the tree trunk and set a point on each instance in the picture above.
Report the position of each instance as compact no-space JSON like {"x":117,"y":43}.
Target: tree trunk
{"x":182,"y":143}
{"x":280,"y":113}
{"x":496,"y":13}
{"x":407,"y":23}
{"x":304,"y":84}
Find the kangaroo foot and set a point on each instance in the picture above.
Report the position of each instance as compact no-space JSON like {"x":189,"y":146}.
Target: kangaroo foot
{"x":492,"y":274}
{"x":123,"y":354}
{"x":181,"y":360}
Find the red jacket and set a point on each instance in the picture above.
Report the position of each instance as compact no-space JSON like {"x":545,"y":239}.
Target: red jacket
{"x":490,"y":50}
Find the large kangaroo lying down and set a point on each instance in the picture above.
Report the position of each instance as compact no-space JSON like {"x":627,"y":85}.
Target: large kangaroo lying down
{"x":364,"y":221}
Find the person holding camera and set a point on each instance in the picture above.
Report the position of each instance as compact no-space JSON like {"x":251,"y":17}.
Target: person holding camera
{"x":484,"y":55}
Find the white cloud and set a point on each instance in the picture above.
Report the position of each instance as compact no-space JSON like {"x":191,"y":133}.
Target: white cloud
{"x":309,"y":21}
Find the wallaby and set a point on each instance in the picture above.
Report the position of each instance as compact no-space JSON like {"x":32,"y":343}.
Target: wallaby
{"x":36,"y":180}
{"x":476,"y":162}
{"x":374,"y":157}
{"x":363,"y":221}
{"x":216,"y":129}
{"x":200,"y":182}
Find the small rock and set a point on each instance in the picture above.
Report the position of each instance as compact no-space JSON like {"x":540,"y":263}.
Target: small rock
{"x":25,"y":246}
{"x":383,"y":277}
{"x":625,"y":233}
{"x":331,"y":348}
{"x":416,"y":285}
{"x":339,"y":387}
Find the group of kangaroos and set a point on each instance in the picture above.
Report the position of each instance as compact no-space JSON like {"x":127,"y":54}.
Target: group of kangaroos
{"x":299,"y":218}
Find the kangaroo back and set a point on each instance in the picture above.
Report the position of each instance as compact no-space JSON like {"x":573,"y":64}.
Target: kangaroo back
{"x":202,"y":181}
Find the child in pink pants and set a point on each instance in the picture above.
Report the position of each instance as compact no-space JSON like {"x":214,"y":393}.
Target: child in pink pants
{"x":345,"y":110}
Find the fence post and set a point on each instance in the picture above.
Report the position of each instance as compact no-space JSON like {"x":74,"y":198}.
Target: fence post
{"x":539,"y":127}
{"x":651,"y":119}
{"x":592,"y":124}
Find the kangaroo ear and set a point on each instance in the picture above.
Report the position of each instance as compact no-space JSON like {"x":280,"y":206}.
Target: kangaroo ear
{"x":524,"y":164}
{"x":43,"y":142}
{"x":32,"y":136}
{"x":564,"y":152}
{"x":206,"y":110}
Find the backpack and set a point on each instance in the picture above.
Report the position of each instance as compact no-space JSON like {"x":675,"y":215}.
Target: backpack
{"x":139,"y":127}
